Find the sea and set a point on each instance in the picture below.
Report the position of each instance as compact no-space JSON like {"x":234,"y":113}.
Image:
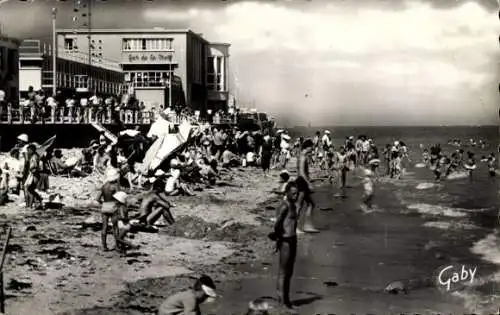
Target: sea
{"x":417,"y":229}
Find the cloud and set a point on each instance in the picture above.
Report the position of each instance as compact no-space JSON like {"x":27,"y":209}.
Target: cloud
{"x":359,"y":59}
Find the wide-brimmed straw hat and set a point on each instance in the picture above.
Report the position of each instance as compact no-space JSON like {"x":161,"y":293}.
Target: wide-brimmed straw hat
{"x":160,"y":173}
{"x":120,"y":196}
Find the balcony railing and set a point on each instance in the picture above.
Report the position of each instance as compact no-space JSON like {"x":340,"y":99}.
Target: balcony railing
{"x":28,"y":115}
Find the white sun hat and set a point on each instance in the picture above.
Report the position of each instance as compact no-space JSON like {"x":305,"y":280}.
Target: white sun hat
{"x":159,"y":173}
{"x":174,"y":163}
{"x":112,"y":175}
{"x":327,"y":132}
{"x":286,"y":137}
{"x":121,"y":197}
{"x":23,"y":137}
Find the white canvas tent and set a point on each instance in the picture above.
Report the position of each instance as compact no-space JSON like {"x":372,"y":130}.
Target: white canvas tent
{"x":167,"y":144}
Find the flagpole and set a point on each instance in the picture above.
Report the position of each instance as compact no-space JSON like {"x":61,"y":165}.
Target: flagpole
{"x":54,"y":52}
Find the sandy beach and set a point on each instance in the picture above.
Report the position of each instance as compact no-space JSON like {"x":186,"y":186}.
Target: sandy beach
{"x":55,"y":262}
{"x":56,"y":266}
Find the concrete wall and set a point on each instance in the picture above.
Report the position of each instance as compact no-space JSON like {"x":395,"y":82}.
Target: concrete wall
{"x":30,"y":77}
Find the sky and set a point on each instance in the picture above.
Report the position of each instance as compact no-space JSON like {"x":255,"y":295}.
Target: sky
{"x":327,"y":62}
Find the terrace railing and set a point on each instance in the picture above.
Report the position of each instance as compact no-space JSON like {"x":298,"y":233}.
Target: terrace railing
{"x":78,"y":115}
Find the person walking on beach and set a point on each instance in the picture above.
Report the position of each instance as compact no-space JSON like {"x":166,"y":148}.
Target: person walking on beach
{"x":304,"y":186}
{"x":188,"y":302}
{"x":286,"y":242}
{"x":32,"y":198}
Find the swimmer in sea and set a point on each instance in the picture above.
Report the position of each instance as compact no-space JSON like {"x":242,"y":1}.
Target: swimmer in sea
{"x":492,"y":165}
{"x":470,"y":164}
{"x":426,"y":158}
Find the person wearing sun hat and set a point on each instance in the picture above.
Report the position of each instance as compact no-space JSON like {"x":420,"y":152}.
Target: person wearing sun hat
{"x":188,"y":302}
{"x":105,"y":198}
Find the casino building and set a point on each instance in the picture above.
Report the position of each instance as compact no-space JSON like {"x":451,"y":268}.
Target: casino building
{"x":161,"y":66}
{"x":9,"y":71}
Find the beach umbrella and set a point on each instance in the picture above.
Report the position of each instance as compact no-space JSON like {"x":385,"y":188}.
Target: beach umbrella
{"x":41,"y":149}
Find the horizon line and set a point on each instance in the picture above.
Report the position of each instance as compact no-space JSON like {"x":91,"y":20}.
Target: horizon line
{"x":396,"y":126}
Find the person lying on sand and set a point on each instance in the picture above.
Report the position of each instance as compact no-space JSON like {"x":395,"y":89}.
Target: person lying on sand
{"x":188,"y":302}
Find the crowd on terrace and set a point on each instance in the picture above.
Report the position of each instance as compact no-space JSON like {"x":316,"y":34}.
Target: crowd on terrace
{"x":40,"y":107}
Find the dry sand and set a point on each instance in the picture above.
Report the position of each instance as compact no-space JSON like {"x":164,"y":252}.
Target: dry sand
{"x":55,"y":263}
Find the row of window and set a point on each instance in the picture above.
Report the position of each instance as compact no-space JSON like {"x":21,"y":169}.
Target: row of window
{"x":81,"y":81}
{"x":147,"y":79}
{"x":149,"y":44}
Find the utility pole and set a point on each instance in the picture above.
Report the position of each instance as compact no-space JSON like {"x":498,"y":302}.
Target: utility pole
{"x":54,"y":52}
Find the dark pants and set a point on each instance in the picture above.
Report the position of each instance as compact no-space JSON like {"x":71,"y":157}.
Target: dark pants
{"x":287,"y":248}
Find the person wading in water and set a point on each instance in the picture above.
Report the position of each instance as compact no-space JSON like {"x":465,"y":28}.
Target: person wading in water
{"x":304,"y":187}
{"x":286,"y":242}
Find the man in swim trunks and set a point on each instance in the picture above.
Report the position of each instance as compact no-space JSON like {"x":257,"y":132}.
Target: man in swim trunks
{"x":304,"y":186}
{"x":286,"y":238}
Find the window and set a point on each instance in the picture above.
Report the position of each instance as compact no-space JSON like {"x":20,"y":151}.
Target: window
{"x":219,"y":64}
{"x":210,"y":65}
{"x":210,"y":79}
{"x":150,"y":44}
{"x":211,"y":87}
{"x":70,"y":44}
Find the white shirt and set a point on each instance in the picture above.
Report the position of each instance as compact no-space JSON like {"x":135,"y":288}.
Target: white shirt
{"x":366,"y":146}
{"x":84,"y":101}
{"x":250,"y":157}
{"x":2,"y":96}
{"x":51,"y":101}
{"x":95,"y":100}
{"x":325,"y":140}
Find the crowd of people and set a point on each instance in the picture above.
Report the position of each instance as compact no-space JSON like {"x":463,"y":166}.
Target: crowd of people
{"x":210,"y":154}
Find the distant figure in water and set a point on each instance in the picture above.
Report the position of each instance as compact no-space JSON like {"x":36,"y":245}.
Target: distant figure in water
{"x":492,"y":165}
{"x":470,"y":164}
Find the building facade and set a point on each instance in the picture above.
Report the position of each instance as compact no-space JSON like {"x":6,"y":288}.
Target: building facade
{"x":74,"y":74}
{"x":9,"y":70}
{"x":162,"y":67}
